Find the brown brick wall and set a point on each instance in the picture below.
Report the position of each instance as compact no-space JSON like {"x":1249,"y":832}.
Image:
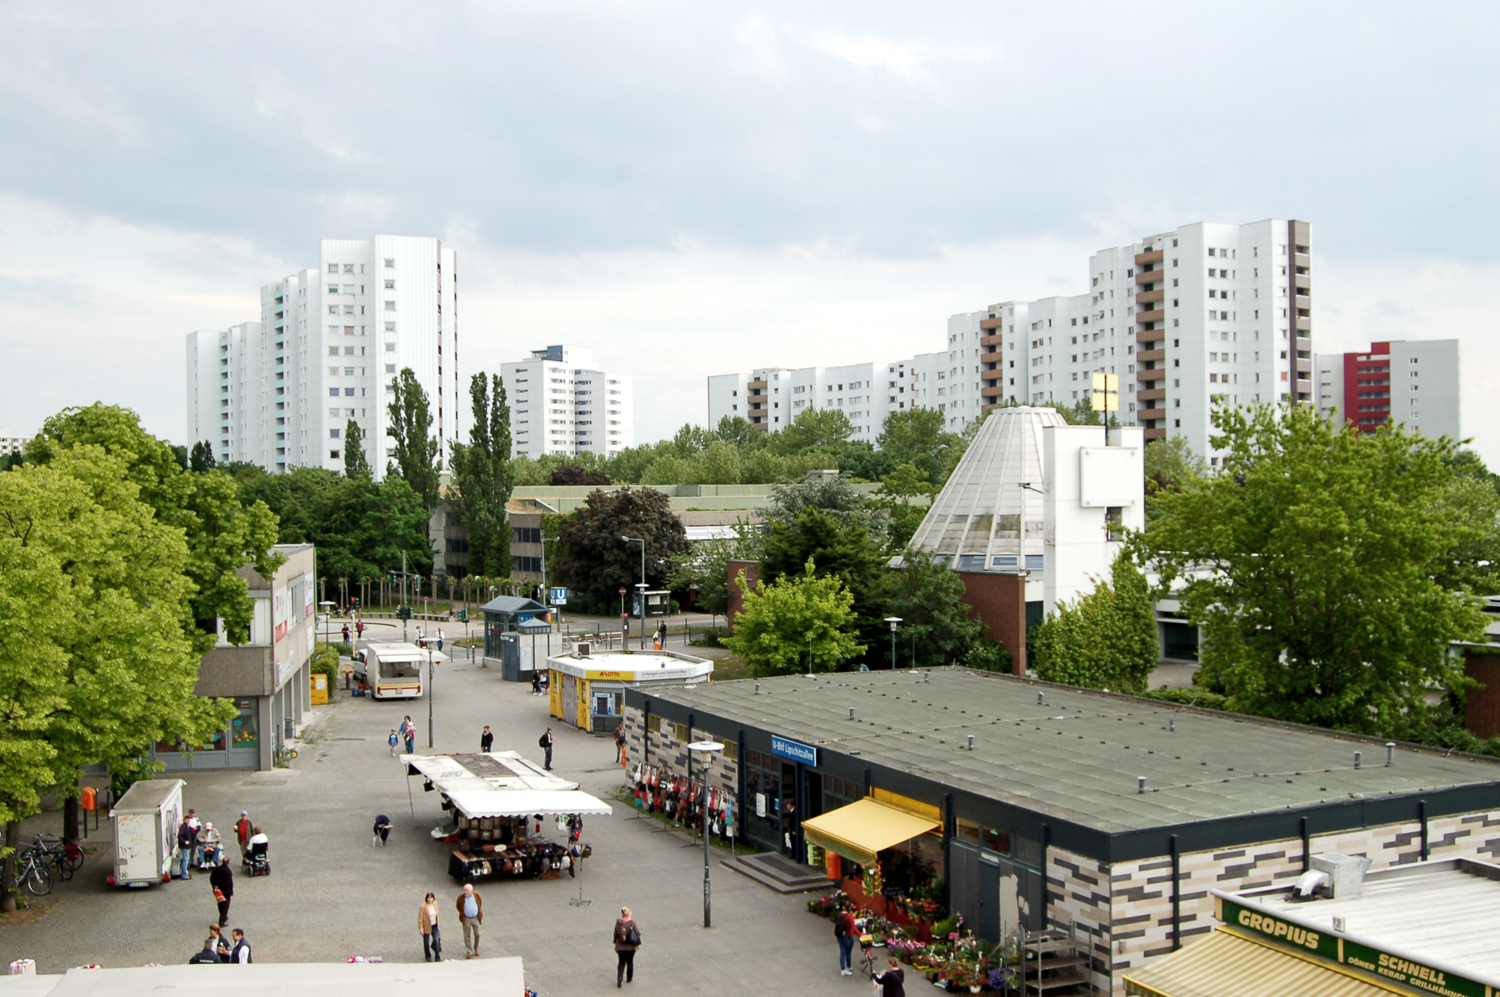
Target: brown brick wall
{"x":1000,"y":602}
{"x":1482,"y":716}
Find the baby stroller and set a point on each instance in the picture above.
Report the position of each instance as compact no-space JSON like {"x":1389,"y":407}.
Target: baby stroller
{"x":256,"y":859}
{"x":382,"y":831}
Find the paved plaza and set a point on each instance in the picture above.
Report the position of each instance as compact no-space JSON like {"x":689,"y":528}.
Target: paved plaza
{"x":331,"y":895}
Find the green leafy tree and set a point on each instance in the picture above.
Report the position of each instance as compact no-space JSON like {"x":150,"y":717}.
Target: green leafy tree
{"x":360,"y":527}
{"x":816,"y":428}
{"x":415,"y":456}
{"x":796,"y":618}
{"x":222,"y":534}
{"x":1311,"y":561}
{"x":482,"y":479}
{"x":569,"y":475}
{"x":202,"y":457}
{"x":98,"y":658}
{"x":918,"y":436}
{"x":594,"y":558}
{"x":936,"y":628}
{"x":356,"y":463}
{"x":1107,"y":640}
{"x":737,"y":430}
{"x":862,"y":462}
{"x":1170,"y":464}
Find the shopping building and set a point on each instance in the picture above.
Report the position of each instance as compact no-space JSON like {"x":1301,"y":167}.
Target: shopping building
{"x":329,"y":344}
{"x":1419,"y":928}
{"x":268,"y":677}
{"x":562,"y":403}
{"x":1108,"y":817}
{"x":1413,"y":383}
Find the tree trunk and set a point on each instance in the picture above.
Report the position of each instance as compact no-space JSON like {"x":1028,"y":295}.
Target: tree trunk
{"x":70,"y":829}
{"x":8,"y":869}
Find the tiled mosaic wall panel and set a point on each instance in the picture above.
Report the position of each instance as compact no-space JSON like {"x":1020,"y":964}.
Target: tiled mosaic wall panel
{"x":671,"y":755}
{"x":1078,"y":897}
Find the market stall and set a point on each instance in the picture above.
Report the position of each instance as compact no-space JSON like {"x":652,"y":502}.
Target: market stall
{"x":499,"y":804}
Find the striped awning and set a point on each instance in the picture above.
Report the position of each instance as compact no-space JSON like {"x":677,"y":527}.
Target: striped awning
{"x":1226,"y":965}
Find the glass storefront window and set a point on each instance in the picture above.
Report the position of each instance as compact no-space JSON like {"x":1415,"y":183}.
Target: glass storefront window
{"x":165,"y":747}
{"x":997,"y":841}
{"x":245,"y":732}
{"x":217,"y":744}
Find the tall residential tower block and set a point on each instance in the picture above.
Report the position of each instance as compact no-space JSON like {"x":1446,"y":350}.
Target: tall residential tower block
{"x":329,"y":344}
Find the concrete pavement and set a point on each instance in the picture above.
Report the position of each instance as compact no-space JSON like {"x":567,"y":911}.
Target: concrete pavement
{"x":331,"y":895}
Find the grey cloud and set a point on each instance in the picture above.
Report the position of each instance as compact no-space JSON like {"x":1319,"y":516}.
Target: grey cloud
{"x":891,"y":131}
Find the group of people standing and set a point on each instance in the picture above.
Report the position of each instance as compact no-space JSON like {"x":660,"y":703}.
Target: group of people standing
{"x":199,"y":844}
{"x":406,"y":734}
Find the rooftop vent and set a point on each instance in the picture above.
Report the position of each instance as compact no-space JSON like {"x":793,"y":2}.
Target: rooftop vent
{"x":1332,"y":875}
{"x":583,"y":648}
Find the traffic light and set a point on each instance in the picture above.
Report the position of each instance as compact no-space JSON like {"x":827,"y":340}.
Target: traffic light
{"x":395,"y":578}
{"x":404,"y":613}
{"x":463,"y":616}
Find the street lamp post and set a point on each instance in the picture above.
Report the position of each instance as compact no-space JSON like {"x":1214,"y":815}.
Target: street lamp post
{"x":893,"y":620}
{"x":706,"y":750}
{"x":641,"y":584}
{"x":546,"y":592}
{"x":430,"y":686}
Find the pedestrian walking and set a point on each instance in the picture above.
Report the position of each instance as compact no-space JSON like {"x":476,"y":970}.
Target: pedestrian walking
{"x":240,"y":954}
{"x":346,"y":633}
{"x":470,"y":916}
{"x":844,"y":930}
{"x":359,"y":628}
{"x":427,"y":924}
{"x":187,"y":839}
{"x":394,"y":741}
{"x":620,"y":743}
{"x":409,"y":735}
{"x":486,"y":739}
{"x":892,"y":981}
{"x":208,"y":956}
{"x":440,"y":639}
{"x":545,"y":743}
{"x":627,"y":940}
{"x":222,"y":881}
{"x":661,"y":635}
{"x":242,"y":830}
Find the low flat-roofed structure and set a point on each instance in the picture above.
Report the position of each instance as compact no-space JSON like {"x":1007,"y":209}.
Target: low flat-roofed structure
{"x":1043,"y":818}
{"x":588,"y":691}
{"x":1423,"y":928}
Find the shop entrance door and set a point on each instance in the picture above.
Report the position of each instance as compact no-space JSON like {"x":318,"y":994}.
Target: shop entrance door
{"x":989,"y":897}
{"x":791,"y":814}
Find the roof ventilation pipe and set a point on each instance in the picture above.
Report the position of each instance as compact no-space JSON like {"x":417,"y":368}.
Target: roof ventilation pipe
{"x":971,"y":742}
{"x":1140,"y":784}
{"x":1390,"y":753}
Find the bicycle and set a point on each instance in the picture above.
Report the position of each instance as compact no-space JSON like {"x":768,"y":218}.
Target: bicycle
{"x":34,"y":876}
{"x":65,"y":855}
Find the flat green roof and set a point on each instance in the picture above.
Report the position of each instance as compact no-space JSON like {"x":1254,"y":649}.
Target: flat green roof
{"x":1078,"y":754}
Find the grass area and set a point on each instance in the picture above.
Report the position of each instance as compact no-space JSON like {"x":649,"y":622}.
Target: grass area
{"x":732,"y":667}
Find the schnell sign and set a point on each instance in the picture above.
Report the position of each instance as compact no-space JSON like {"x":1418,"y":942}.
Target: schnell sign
{"x":793,"y":751}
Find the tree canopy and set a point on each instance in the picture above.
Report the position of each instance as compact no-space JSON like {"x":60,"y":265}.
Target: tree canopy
{"x":222,"y":534}
{"x":593,"y":557}
{"x":802,"y":620}
{"x":415,"y":455}
{"x":1318,"y":562}
{"x":356,"y":461}
{"x":482,"y":477}
{"x":1107,"y":640}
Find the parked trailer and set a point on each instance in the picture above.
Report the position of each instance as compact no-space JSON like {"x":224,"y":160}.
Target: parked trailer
{"x":145,"y":820}
{"x":393,"y":669}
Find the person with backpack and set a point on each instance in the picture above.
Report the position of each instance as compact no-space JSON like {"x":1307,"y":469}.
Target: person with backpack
{"x":545,"y":743}
{"x":627,"y":940}
{"x":845,"y":930}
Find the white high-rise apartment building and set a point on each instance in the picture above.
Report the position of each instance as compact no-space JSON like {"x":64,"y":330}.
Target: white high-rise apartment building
{"x":1410,"y":383}
{"x":329,"y":344}
{"x":1209,"y":312}
{"x":772,"y":397}
{"x":562,"y":403}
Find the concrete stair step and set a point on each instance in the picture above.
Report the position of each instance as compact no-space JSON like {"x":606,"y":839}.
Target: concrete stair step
{"x":779,"y":873}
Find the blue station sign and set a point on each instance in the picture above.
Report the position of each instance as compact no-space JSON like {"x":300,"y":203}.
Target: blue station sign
{"x":794,"y":751}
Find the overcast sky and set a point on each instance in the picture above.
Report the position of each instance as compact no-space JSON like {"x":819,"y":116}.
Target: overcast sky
{"x":699,"y":188}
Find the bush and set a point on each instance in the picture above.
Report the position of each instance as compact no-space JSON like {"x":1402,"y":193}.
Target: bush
{"x":710,"y":638}
{"x":1191,"y":697}
{"x":325,"y":661}
{"x":987,"y":655}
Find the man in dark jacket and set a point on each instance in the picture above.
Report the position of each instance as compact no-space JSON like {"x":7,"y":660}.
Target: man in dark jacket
{"x":240,"y":954}
{"x":546,"y":744}
{"x":222,"y":880}
{"x":207,"y":957}
{"x":187,"y":841}
{"x":486,"y":739}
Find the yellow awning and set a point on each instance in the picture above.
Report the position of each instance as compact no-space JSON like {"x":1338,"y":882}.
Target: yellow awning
{"x":1226,"y":965}
{"x":861,"y":829}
